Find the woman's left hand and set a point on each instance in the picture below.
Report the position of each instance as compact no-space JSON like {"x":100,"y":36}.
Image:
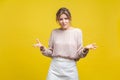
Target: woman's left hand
{"x":91,"y":46}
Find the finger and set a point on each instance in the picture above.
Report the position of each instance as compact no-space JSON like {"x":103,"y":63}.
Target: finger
{"x":37,"y":40}
{"x":95,"y":47}
{"x":94,"y":44}
{"x":33,"y":45}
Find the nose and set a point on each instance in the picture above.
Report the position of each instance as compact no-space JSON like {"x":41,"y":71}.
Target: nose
{"x":63,"y":20}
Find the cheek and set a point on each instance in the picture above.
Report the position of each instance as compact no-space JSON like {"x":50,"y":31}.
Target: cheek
{"x":60,"y":22}
{"x":67,"y":20}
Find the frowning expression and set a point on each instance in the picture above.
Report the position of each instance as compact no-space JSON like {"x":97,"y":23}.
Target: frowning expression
{"x":64,"y":21}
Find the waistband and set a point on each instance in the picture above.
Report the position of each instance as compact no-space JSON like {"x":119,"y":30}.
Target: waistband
{"x":62,"y":59}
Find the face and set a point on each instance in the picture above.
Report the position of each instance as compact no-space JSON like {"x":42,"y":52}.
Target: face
{"x":64,"y":21}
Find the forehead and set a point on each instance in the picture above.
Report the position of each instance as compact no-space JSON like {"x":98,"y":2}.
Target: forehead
{"x":63,"y":16}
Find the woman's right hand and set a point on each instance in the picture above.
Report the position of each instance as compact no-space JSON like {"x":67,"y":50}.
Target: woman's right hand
{"x":38,"y":44}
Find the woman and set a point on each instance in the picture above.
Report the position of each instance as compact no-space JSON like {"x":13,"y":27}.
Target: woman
{"x":65,"y":48}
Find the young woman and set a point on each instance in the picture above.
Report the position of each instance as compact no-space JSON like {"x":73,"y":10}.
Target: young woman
{"x":65,"y":48}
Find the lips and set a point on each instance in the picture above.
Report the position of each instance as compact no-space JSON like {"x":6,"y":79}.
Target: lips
{"x":63,"y":24}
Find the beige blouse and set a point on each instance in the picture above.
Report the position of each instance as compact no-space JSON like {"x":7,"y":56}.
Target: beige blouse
{"x":66,"y":44}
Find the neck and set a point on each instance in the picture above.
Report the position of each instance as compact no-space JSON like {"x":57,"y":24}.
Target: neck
{"x":66,"y":28}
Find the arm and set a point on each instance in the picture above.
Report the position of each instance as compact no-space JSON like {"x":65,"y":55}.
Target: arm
{"x":87,"y":48}
{"x":83,"y":51}
{"x":45,"y":51}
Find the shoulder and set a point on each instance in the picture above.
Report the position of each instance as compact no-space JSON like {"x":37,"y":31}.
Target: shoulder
{"x":78,"y":30}
{"x":55,"y":31}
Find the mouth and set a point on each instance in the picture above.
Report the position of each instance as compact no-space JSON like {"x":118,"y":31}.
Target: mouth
{"x":63,"y":24}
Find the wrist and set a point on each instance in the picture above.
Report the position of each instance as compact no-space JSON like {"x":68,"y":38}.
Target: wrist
{"x":42,"y":48}
{"x":85,"y":50}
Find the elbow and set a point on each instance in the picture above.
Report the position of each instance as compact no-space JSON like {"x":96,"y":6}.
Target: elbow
{"x":47,"y":53}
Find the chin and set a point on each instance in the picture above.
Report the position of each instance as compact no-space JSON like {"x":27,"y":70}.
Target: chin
{"x":64,"y":27}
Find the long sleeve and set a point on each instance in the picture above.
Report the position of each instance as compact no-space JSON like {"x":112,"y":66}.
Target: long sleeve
{"x":48,"y":51}
{"x":66,"y":44}
{"x":82,"y":52}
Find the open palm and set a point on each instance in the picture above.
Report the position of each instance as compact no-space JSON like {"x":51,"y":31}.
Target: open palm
{"x":91,"y":46}
{"x":38,"y":44}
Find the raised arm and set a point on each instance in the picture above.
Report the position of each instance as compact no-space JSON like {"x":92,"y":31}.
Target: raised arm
{"x":45,"y":51}
{"x":83,"y":51}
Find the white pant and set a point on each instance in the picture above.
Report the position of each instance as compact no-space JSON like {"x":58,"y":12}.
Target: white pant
{"x":62,"y":69}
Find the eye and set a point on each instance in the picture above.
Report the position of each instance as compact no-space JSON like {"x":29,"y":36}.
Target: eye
{"x":66,"y":18}
{"x":60,"y":19}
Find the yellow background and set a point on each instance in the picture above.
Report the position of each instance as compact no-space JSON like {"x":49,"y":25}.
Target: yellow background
{"x":22,"y":21}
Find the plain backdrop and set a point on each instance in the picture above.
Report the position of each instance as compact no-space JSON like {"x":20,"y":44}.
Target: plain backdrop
{"x":22,"y":21}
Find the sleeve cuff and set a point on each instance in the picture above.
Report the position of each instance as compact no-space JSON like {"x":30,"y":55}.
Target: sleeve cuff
{"x":42,"y":48}
{"x":85,"y":50}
